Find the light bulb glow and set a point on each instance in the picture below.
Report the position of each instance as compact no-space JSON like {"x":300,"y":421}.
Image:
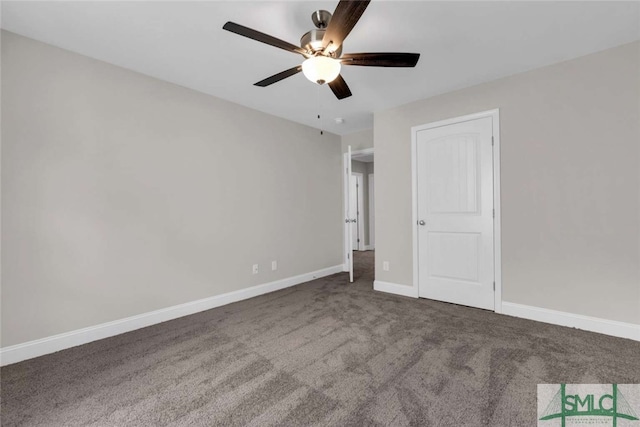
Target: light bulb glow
{"x":321,"y":69}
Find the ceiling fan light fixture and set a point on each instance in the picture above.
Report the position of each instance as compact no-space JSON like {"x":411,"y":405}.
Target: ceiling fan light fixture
{"x":321,"y":69}
{"x":322,"y":48}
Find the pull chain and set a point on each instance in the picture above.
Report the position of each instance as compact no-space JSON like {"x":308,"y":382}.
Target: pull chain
{"x":319,"y":111}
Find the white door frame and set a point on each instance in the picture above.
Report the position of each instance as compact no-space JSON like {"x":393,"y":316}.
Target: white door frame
{"x":497,"y":249}
{"x":345,"y":202}
{"x":372,"y":217}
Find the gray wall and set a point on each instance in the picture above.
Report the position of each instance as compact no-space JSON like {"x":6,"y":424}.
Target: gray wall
{"x":370,"y":170}
{"x":570,"y":136}
{"x":358,"y":140}
{"x":123,"y":194}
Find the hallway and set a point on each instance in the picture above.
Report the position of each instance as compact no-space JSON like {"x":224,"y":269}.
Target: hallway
{"x":364,"y":266}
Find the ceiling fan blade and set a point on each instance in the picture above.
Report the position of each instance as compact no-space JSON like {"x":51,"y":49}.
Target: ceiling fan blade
{"x":339,"y":88}
{"x":382,"y":59}
{"x":344,"y":18}
{"x":262,"y":37}
{"x":280,"y":76}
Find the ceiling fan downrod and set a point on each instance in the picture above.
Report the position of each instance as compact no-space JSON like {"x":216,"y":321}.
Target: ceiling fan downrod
{"x":321,"y":18}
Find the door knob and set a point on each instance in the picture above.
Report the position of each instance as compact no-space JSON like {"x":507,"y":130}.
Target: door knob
{"x":421,"y":222}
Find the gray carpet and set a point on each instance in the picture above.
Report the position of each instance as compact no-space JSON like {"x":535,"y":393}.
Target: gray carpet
{"x":322,"y":353}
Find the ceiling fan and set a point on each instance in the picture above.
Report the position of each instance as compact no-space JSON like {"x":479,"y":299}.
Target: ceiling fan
{"x":322,"y":48}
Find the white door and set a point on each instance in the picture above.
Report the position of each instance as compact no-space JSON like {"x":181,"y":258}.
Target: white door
{"x":354,"y":191}
{"x":349,"y":216}
{"x":454,"y":166}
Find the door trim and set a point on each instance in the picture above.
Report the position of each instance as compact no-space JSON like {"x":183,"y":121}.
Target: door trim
{"x":345,"y":183}
{"x":372,"y":216}
{"x":497,"y":248}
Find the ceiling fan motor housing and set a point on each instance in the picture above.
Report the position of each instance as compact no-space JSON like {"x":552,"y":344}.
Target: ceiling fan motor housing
{"x":312,"y":40}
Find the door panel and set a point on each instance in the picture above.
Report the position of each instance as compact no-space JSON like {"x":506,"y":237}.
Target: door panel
{"x":455,"y":204}
{"x":452,"y":174}
{"x":354,"y":212}
{"x":454,"y":255}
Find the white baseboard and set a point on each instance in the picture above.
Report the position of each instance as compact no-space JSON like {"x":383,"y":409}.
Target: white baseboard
{"x":587,"y":323}
{"x":394,"y":288}
{"x":40,"y":347}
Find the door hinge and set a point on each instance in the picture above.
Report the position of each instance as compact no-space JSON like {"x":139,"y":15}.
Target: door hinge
{"x":494,"y":286}
{"x":492,"y":141}
{"x":358,"y":240}
{"x":494,"y":214}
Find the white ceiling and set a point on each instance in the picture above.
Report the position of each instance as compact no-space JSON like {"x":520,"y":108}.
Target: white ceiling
{"x":366,"y":158}
{"x":461,"y":44}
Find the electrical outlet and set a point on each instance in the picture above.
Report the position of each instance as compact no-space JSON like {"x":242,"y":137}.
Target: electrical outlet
{"x":385,"y":265}
{"x":255,"y":268}
{"x":274,"y":265}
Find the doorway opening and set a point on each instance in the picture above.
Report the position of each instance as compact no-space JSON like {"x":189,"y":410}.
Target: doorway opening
{"x":359,"y":208}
